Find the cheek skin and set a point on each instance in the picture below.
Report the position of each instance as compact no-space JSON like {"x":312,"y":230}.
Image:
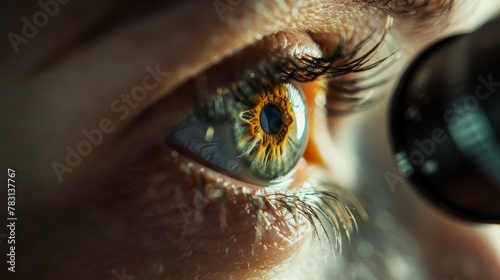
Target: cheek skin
{"x":156,"y":220}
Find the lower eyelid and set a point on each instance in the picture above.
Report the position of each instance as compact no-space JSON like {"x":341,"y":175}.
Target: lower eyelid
{"x":193,"y":209}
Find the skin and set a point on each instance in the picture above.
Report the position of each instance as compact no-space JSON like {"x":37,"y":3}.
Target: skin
{"x":119,"y":207}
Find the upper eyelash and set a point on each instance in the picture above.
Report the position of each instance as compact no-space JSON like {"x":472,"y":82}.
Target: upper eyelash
{"x":305,"y":68}
{"x":342,"y":89}
{"x":334,"y":67}
{"x":341,"y":62}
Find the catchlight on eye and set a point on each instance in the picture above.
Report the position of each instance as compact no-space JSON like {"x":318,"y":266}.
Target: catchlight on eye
{"x":255,"y":135}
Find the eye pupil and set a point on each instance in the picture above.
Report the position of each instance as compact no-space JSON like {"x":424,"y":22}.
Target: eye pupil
{"x":271,"y":119}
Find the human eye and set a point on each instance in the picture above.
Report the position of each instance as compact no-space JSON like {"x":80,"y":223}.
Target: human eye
{"x":256,"y":127}
{"x":247,"y":177}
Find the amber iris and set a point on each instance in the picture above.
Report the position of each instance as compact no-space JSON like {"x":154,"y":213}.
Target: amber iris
{"x":269,"y":136}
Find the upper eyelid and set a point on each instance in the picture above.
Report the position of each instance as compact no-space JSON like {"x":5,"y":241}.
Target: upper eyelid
{"x":270,"y":70}
{"x":308,"y":66}
{"x":266,"y":59}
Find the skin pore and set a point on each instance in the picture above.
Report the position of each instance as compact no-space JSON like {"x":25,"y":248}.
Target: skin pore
{"x":118,"y":208}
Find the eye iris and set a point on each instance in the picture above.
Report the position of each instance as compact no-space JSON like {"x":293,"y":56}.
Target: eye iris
{"x":271,"y":119}
{"x":270,"y":135}
{"x":258,"y":136}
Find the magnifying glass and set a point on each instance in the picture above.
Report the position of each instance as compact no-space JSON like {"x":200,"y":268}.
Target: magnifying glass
{"x":445,"y":124}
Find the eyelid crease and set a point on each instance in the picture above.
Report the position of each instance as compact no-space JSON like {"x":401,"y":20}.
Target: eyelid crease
{"x":420,"y":10}
{"x":418,"y":18}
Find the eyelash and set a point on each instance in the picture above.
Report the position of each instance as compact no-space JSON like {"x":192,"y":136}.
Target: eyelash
{"x":335,"y":67}
{"x":345,"y":90}
{"x":318,"y":201}
{"x":325,"y":202}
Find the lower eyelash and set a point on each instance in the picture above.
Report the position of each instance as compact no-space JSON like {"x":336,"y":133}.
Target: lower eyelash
{"x":318,"y":205}
{"x":320,"y":202}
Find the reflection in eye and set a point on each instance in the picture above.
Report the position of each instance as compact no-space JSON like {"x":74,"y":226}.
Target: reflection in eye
{"x":255,"y":134}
